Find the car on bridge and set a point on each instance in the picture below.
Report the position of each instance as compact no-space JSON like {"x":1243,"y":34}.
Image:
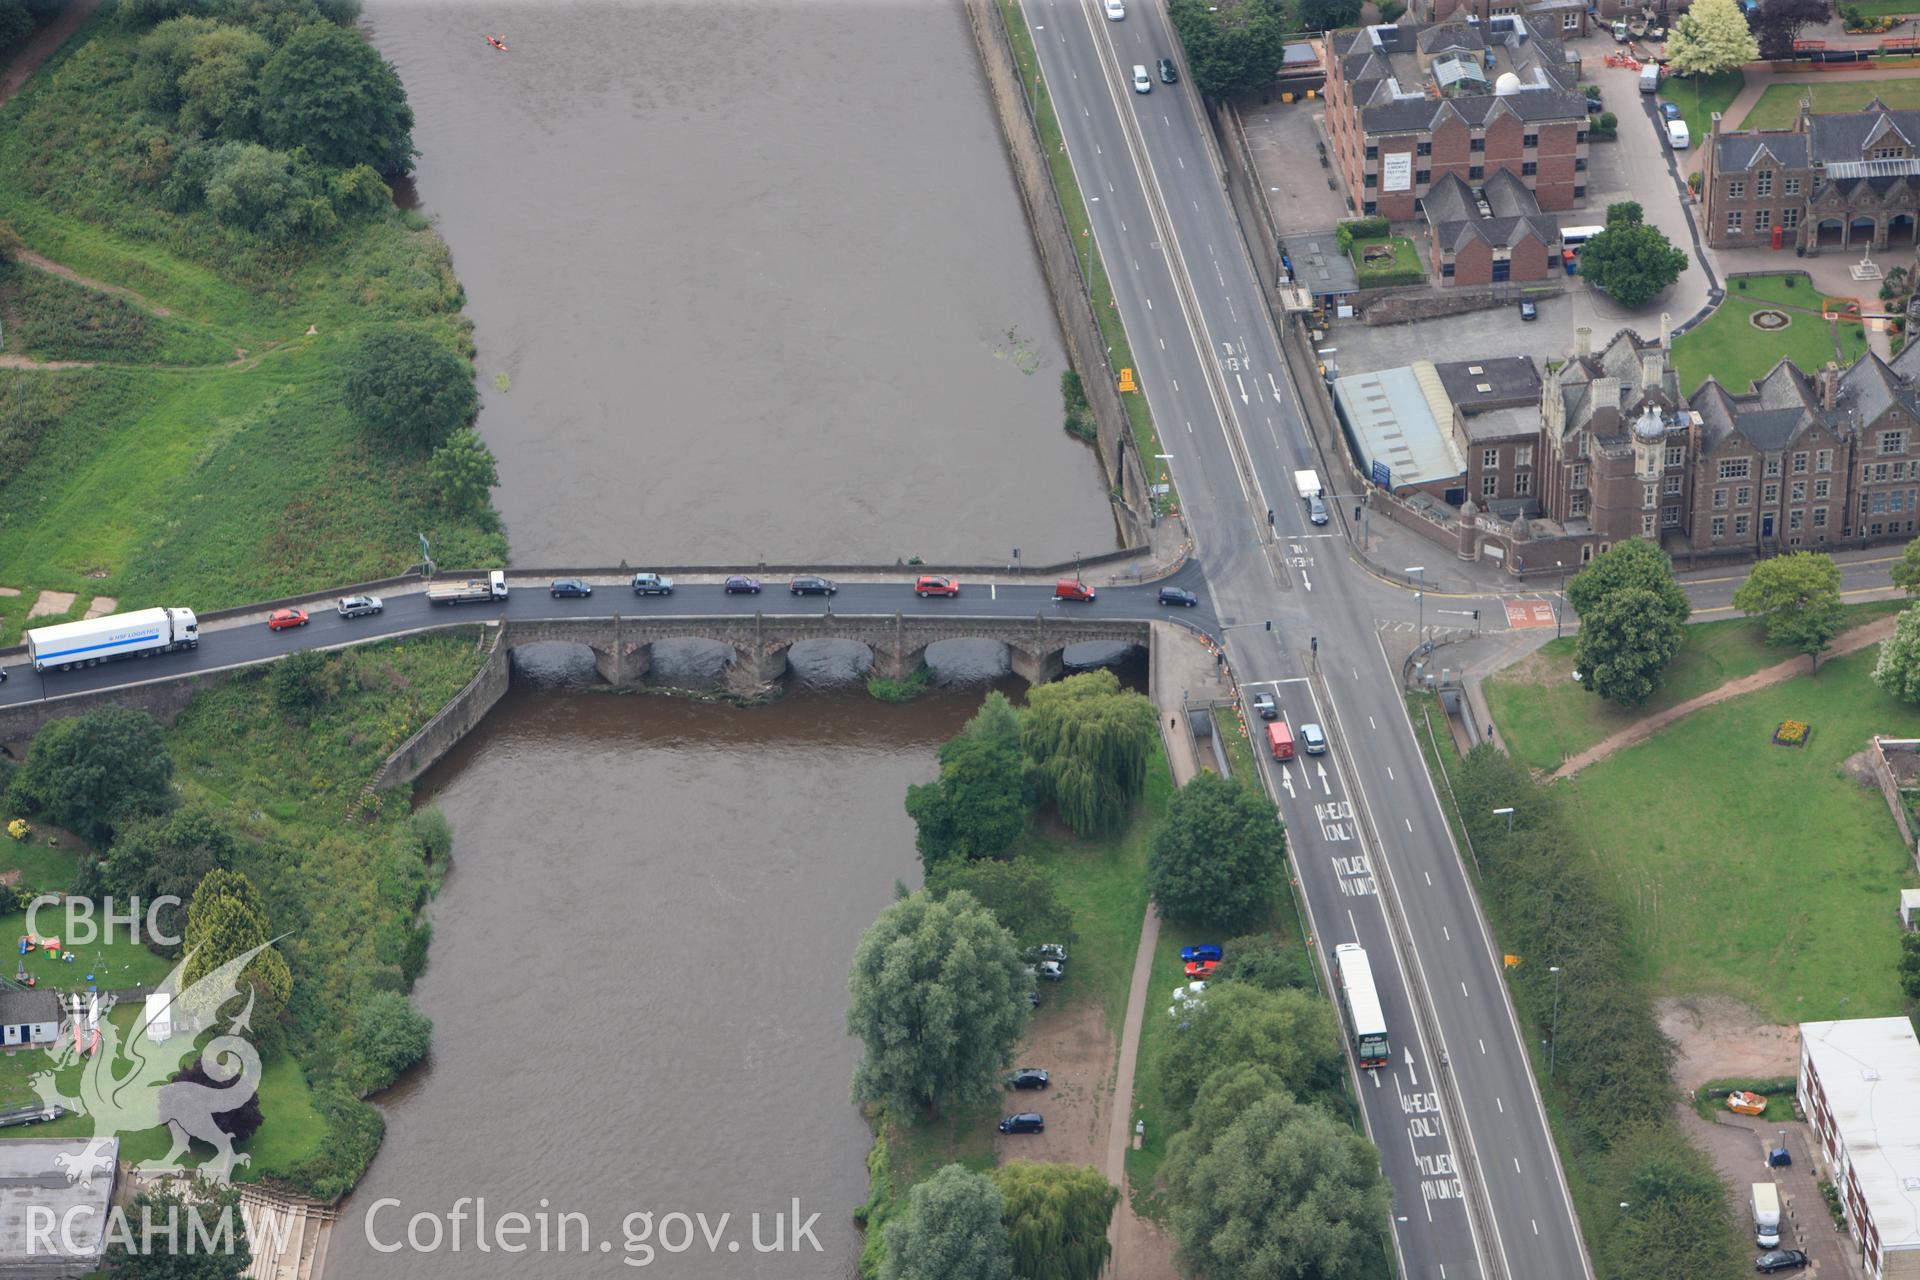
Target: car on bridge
{"x":569,"y":588}
{"x":741,"y":585}
{"x":360,"y":606}
{"x":1175,"y":596}
{"x":1202,"y":951}
{"x":1028,"y":1078}
{"x":932,"y":584}
{"x":1073,"y":589}
{"x":812,"y":585}
{"x":284,"y":619}
{"x":652,"y":584}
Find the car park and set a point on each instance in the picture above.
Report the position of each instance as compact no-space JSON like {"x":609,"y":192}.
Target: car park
{"x":1203,"y":951}
{"x":282,"y":619}
{"x":1265,"y":706}
{"x":1168,"y":75}
{"x":1313,"y":739}
{"x":569,"y":588}
{"x":1780,"y":1260}
{"x":1201,"y":968}
{"x":652,"y":584}
{"x":932,"y":584}
{"x":741,"y":585}
{"x":1073,"y":589}
{"x":811,"y":585}
{"x":1529,"y":310}
{"x":1028,"y":1078}
{"x":1175,"y":596}
{"x":1025,"y":1122}
{"x":360,"y":606}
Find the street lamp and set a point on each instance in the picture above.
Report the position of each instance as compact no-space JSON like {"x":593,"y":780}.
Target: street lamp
{"x":1076,"y":566}
{"x":1420,"y":596}
{"x":1553,"y":1032}
{"x":1508,"y":813}
{"x":1560,"y":568}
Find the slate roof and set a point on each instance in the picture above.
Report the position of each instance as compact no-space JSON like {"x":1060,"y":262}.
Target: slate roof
{"x":1847,"y":135}
{"x":1735,"y":152}
{"x":17,"y":1007}
{"x":1456,"y":221}
{"x":1510,"y":379}
{"x":1382,"y":65}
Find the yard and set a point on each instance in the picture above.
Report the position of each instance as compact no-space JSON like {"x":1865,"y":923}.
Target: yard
{"x":1780,"y":104}
{"x":1545,"y":716}
{"x":1765,"y":873}
{"x":1731,"y":347}
{"x":1387,"y":260}
{"x":1698,"y":97}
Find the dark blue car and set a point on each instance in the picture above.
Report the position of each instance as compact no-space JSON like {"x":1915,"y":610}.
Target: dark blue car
{"x":570,"y":588}
{"x":1205,"y":951}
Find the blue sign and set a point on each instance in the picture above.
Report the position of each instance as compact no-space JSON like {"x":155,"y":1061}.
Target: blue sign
{"x":1382,"y":476}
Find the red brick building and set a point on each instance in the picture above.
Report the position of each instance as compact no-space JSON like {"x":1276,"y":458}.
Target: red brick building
{"x":1409,"y":105}
{"x":1490,"y":234}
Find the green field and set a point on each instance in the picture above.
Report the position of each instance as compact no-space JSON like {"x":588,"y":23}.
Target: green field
{"x":1698,"y":97}
{"x":1546,"y":717}
{"x":1755,"y":871}
{"x":1730,"y":348}
{"x":1779,"y":106}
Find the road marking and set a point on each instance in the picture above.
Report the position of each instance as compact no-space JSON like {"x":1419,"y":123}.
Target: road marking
{"x":1444,"y":932}
{"x":1501,"y":1106}
{"x":993,"y":591}
{"x":1370,"y":723}
{"x":1483,"y":1048}
{"x":1529,"y":613}
{"x":1390,"y":773}
{"x":1429,"y":876}
{"x":1409,"y":822}
{"x":1464,"y":993}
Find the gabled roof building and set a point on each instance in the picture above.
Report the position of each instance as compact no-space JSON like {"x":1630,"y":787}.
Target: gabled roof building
{"x":1848,"y":182}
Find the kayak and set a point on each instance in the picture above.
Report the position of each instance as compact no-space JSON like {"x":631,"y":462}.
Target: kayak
{"x":497,"y":43}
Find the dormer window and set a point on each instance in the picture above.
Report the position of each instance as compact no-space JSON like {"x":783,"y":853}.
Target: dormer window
{"x":1889,"y":153}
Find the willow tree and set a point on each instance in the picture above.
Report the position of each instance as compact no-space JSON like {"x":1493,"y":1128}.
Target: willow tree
{"x":1056,"y":1217}
{"x":1088,"y":743}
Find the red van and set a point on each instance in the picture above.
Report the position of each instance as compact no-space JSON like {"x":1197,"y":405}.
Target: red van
{"x":1280,"y":740}
{"x":1072,"y":589}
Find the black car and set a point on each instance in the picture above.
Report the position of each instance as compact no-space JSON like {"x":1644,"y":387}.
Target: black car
{"x":1167,"y":74}
{"x":1025,"y":1122}
{"x":1595,"y":105}
{"x":1028,"y":1078}
{"x":571,"y":588}
{"x":1777,"y":1260}
{"x":1528,"y":311}
{"x":812,"y":586}
{"x":741,"y":585}
{"x":1174,"y":595}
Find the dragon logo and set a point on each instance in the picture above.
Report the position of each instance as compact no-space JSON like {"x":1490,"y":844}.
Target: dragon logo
{"x":127,"y":1086}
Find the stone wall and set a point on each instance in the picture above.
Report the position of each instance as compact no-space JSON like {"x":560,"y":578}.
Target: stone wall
{"x":163,"y":699}
{"x":1877,"y":753}
{"x":453,"y":722}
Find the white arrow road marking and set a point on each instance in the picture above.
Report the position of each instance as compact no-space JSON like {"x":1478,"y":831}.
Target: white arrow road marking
{"x":1274,"y":385}
{"x":1324,"y":784}
{"x":1304,"y":578}
{"x":1415,"y":1075}
{"x":1243,"y":387}
{"x":1286,"y":780}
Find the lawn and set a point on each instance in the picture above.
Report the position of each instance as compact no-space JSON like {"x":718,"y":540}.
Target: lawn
{"x":1545,"y":716}
{"x":1730,"y":348}
{"x":1779,"y":106}
{"x":1770,"y":874}
{"x":1073,"y":206}
{"x":1405,"y":268}
{"x":1698,"y":97}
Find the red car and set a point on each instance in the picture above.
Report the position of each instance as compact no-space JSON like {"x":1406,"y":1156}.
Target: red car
{"x":282,"y":619}
{"x":1201,"y":968}
{"x":928,"y":584}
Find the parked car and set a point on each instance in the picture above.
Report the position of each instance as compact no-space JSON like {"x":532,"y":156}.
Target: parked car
{"x":1073,"y":589}
{"x":1201,"y":968}
{"x":652,"y":584}
{"x":569,"y":588}
{"x":1167,"y":73}
{"x":1025,"y":1122}
{"x":1116,"y":10}
{"x":1595,"y":105}
{"x":1314,"y":739}
{"x":1028,"y":1078}
{"x":931,"y":584}
{"x":1528,"y":309}
{"x":1202,"y":951}
{"x":282,"y":619}
{"x":1677,"y":135}
{"x":360,"y":606}
{"x":741,"y":585}
{"x":1267,"y":708}
{"x":1780,"y":1260}
{"x":1051,"y":970}
{"x":1046,"y":951}
{"x":809,"y":585}
{"x":1175,"y":596}
{"x":1669,"y":111}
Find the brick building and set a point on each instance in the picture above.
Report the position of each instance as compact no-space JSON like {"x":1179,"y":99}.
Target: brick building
{"x":1568,"y":17}
{"x":1848,"y":182}
{"x":1484,"y":235}
{"x":1496,"y":427}
{"x":1409,"y":105}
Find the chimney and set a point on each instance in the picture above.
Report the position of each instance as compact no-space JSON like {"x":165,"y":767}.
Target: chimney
{"x":1653,"y":368}
{"x":1666,"y":331}
{"x":1713,"y":128}
{"x":1803,"y":122}
{"x":1583,"y":344}
{"x":1829,"y":386}
{"x":1606,"y":394}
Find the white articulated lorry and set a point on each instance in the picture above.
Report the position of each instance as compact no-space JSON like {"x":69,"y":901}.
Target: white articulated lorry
{"x":143,"y":633}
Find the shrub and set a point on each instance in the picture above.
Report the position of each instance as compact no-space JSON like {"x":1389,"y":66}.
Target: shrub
{"x":406,"y":388}
{"x":432,"y":833}
{"x":389,"y":1035}
{"x":97,"y":772}
{"x":1791,"y":733}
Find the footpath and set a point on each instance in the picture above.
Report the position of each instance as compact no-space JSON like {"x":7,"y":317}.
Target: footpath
{"x":1640,"y":730}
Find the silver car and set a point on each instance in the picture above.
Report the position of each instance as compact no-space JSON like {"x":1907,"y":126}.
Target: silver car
{"x":360,"y":606}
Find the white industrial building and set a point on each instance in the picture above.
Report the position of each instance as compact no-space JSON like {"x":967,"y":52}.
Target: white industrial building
{"x":1860,"y":1091}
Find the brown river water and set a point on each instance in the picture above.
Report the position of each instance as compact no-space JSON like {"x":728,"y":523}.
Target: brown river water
{"x":759,"y":280}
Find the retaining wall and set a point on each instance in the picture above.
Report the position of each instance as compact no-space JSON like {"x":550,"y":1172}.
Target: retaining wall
{"x":163,"y":699}
{"x":453,"y":722}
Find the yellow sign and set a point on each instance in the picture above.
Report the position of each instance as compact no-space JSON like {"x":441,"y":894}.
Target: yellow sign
{"x":1126,"y":380}
{"x":1511,"y":961}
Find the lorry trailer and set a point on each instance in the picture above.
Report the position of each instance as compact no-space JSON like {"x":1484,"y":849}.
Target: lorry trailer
{"x":92,"y":641}
{"x":472,"y":591}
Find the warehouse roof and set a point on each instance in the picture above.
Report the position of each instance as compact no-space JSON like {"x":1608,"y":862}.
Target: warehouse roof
{"x":1391,"y":416}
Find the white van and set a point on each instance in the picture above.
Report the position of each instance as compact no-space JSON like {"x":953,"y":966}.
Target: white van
{"x":1650,"y":78}
{"x":1677,"y":135}
{"x":1142,"y":82}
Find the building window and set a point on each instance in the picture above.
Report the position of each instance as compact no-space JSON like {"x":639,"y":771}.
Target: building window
{"x":1892,"y":442}
{"x":1797,"y":491}
{"x":1736,"y":189}
{"x":1423,"y":176}
{"x":1819,"y":517}
{"x":1670,"y":517}
{"x":1762,"y":220}
{"x":1370,"y":180}
{"x":1676,"y":455}
{"x":1736,"y":468}
{"x":1743,"y":496}
{"x":1793,"y":521}
{"x":1719,"y":526}
{"x":1673,"y":485}
{"x":1369,"y":208}
{"x":1773,"y":466}
{"x":1763,"y":183}
{"x":1577,"y":506}
{"x":1528,"y":168}
{"x":1476,"y":172}
{"x":1719,"y":499}
{"x":1800,"y":463}
{"x":1570,"y":20}
{"x":1478,"y":144}
{"x":1489,"y":486}
{"x":1879,"y":502}
{"x":1735,"y":220}
{"x":1823,"y":488}
{"x":1789,"y":219}
{"x":1647,"y":492}
{"x":1580,"y":163}
{"x":1490,"y":459}
{"x":1578,"y":480}
{"x":1646,"y":525}
{"x":1740,"y":526}
{"x":1770,"y":495}
{"x":1530,"y":140}
{"x":1791,"y":186}
{"x":1373,"y":153}
{"x":1446,"y":270}
{"x":1823,"y":460}
{"x":1523,"y":455}
{"x":1423,"y":148}
{"x":1580,"y":193}
{"x":1887,"y":153}
{"x":1522,"y":483}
